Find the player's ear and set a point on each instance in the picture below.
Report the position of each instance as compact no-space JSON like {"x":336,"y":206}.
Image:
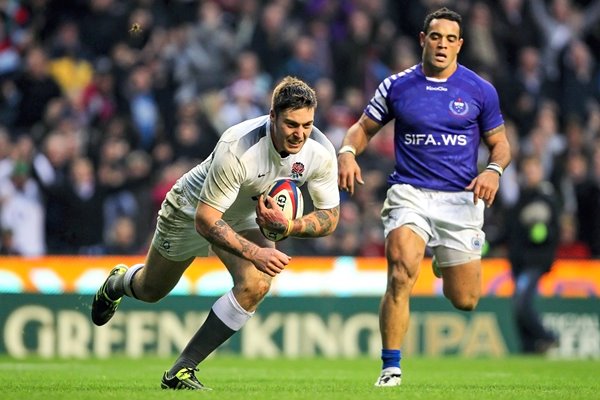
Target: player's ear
{"x":422,"y":36}
{"x":272,"y":115}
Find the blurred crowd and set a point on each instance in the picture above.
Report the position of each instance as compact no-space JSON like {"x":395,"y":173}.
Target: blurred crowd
{"x":105,"y":103}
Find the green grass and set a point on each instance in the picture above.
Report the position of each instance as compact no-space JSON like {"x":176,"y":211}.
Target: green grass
{"x":244,"y":379}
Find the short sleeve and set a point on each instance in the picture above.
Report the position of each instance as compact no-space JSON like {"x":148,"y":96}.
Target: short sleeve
{"x":323,"y":187}
{"x":223,"y":180}
{"x":491,"y":116}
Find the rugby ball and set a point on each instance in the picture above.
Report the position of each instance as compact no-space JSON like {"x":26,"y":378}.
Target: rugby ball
{"x":289,"y":200}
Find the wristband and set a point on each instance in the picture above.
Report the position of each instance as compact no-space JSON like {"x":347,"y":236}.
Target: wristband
{"x":347,"y":149}
{"x":495,"y":167}
{"x":289,"y":227}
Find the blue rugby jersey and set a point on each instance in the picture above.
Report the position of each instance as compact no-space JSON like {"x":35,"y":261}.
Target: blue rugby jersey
{"x":438,"y":125}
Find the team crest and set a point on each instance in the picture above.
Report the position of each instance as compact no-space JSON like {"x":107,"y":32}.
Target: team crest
{"x":297,"y":170}
{"x":477,"y":242}
{"x":458,"y":107}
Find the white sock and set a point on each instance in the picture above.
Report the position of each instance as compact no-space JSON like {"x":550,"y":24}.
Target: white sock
{"x":128,"y":279}
{"x":230,"y":312}
{"x":391,"y":371}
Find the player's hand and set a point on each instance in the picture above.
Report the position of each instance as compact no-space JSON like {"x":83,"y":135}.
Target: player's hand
{"x":270,"y":260}
{"x":484,"y":187}
{"x":348,"y":172}
{"x":269,"y":215}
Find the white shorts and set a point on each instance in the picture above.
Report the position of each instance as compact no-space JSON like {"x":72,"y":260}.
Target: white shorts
{"x":175,"y":236}
{"x":444,"y":219}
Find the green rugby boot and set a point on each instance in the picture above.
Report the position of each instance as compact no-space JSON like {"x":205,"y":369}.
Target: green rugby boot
{"x":185,"y":379}
{"x":103,"y":307}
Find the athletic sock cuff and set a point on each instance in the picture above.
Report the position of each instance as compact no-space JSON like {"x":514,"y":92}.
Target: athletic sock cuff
{"x":390,"y":358}
{"x":228,"y":310}
{"x":128,"y":279}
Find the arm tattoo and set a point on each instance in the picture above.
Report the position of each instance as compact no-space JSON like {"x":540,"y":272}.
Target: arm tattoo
{"x":217,"y":234}
{"x":324,"y":219}
{"x":319,"y":223}
{"x":279,"y":227}
{"x":310,"y":229}
{"x":240,"y":246}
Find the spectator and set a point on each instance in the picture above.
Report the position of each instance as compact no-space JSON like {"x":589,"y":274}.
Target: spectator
{"x":514,"y":28}
{"x":143,"y":107}
{"x":207,"y":56}
{"x":6,"y":148}
{"x":98,"y":99}
{"x":7,"y":246}
{"x":581,"y":195}
{"x":192,"y":52}
{"x":483,"y":52}
{"x":36,"y":88}
{"x":102,"y":25}
{"x":22,"y":215}
{"x":272,"y":37}
{"x":579,"y":96}
{"x":238,"y":106}
{"x":353,"y":51}
{"x":570,"y":247}
{"x":249,"y":69}
{"x":69,"y":64}
{"x":304,"y":63}
{"x":560,"y":24}
{"x":525,"y":90}
{"x":534,"y":236}
{"x":192,"y":141}
{"x":122,"y":239}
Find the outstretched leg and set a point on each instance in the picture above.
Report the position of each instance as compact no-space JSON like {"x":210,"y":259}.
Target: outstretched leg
{"x":148,"y":282}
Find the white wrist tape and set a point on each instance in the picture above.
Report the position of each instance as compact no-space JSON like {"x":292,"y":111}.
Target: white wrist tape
{"x":495,"y":167}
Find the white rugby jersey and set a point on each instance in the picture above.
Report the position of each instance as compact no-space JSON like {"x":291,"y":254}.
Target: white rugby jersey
{"x":244,"y":163}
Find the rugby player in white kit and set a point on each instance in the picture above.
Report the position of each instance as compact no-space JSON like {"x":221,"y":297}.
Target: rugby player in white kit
{"x":217,"y":205}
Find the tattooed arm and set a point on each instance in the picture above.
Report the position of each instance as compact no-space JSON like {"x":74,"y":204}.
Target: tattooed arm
{"x":317,"y":223}
{"x":210,"y":225}
{"x":485,"y":185}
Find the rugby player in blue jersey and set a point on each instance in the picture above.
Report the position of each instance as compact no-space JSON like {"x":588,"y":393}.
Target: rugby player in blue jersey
{"x":436,"y":197}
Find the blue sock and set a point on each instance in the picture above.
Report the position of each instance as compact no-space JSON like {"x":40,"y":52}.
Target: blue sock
{"x":390,"y":358}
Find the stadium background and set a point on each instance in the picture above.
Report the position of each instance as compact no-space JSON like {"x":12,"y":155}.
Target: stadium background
{"x":97,"y":121}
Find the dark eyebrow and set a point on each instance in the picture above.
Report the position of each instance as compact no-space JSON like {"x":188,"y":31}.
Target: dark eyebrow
{"x":291,"y":121}
{"x":451,"y":35}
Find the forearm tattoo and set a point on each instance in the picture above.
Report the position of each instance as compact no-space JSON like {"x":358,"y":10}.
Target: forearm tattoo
{"x":319,"y":223}
{"x":221,"y":233}
{"x":279,"y":227}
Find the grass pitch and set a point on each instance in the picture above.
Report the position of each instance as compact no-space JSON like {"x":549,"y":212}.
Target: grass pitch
{"x":244,"y":379}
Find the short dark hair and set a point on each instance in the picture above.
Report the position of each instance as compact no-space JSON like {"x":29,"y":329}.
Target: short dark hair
{"x":292,"y":94}
{"x":443,"y":13}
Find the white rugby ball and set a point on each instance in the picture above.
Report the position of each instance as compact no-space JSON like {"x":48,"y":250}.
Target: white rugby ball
{"x":289,"y":200}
